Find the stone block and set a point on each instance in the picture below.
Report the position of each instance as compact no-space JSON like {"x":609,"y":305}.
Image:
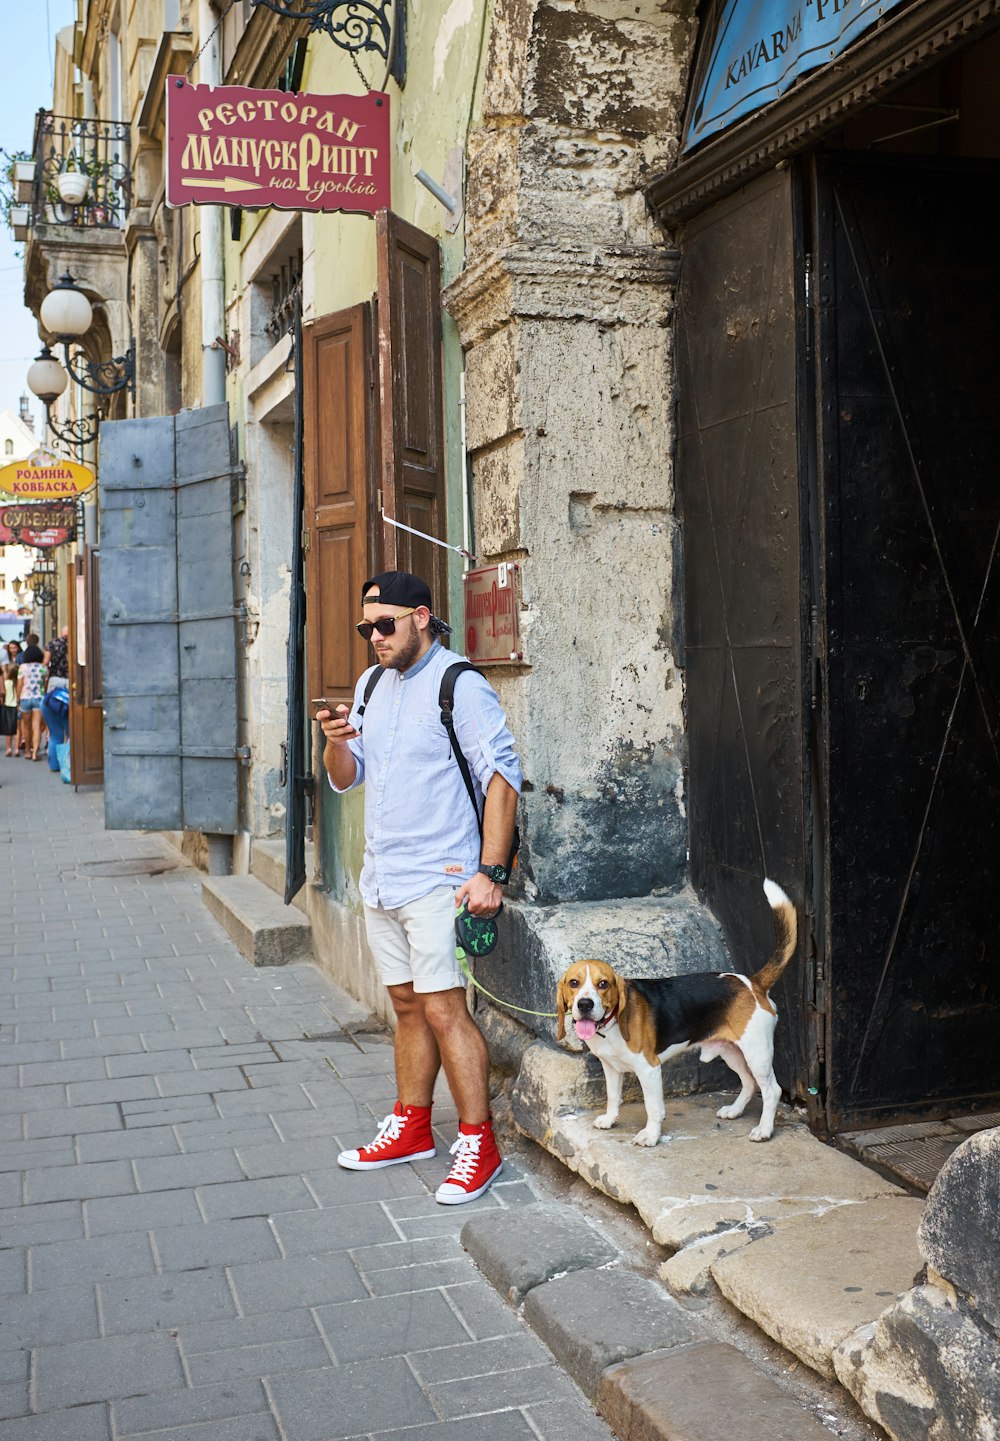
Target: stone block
{"x":960,"y":1227}
{"x":82,"y":1371}
{"x":498,"y":475}
{"x":591,"y":1319}
{"x":818,"y":1278}
{"x":157,"y":1303}
{"x":77,"y":1263}
{"x":379,"y":1326}
{"x":520,"y":1250}
{"x":215,"y":1243}
{"x":266,"y":932}
{"x":348,"y":1400}
{"x":925,"y":1371}
{"x":703,"y":1392}
{"x":492,"y":392}
{"x":286,"y":1285}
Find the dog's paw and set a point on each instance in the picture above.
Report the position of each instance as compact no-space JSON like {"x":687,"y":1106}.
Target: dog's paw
{"x":605,"y":1122}
{"x":759,"y":1133}
{"x":729,"y":1113}
{"x":646,"y":1137}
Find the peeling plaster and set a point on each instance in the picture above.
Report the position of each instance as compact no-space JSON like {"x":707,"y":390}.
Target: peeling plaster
{"x":455,"y":18}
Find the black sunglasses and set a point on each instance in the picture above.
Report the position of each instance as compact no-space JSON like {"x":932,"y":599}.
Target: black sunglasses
{"x":385,"y":626}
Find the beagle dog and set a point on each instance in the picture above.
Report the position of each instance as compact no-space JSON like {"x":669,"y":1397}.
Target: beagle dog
{"x":636,"y":1025}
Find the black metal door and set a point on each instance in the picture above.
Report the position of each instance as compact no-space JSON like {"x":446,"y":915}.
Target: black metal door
{"x":909,"y":314}
{"x":740,"y":368}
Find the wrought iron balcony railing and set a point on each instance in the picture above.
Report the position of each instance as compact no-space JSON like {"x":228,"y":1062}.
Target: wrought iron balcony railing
{"x":93,"y":151}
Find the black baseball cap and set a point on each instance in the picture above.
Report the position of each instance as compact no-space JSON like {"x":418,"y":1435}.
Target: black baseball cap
{"x":398,"y":587}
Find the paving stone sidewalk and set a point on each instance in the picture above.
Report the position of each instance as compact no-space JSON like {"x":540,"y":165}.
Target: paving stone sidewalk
{"x":181,"y":1259}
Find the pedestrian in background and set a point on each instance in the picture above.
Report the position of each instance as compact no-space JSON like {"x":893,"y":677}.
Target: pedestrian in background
{"x":55,"y":702}
{"x":31,"y":674}
{"x":423,"y":858}
{"x":8,"y":708}
{"x":56,"y":658}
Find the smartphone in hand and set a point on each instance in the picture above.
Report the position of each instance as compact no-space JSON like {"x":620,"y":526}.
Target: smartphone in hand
{"x":339,"y":714}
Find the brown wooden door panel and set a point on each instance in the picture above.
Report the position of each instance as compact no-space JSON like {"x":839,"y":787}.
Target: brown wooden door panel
{"x":86,"y":720}
{"x":411,"y":399}
{"x":338,"y":458}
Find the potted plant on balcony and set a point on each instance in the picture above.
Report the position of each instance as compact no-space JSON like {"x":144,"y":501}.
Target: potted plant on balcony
{"x":20,"y":219}
{"x":23,"y":176}
{"x":16,"y":214}
{"x":72,"y":181}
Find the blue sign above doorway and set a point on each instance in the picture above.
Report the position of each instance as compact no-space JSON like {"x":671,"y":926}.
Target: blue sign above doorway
{"x":760,"y":47}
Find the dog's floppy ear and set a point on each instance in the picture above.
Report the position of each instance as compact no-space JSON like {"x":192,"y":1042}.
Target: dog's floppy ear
{"x":560,"y":1012}
{"x":623,"y":1007}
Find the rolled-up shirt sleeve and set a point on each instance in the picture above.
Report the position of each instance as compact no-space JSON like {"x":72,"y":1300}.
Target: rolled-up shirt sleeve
{"x":483,"y":734}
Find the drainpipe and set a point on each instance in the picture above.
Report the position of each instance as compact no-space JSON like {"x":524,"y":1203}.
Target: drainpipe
{"x":212,"y":290}
{"x":213,"y":382}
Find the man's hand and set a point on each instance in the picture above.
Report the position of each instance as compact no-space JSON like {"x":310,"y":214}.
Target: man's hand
{"x":335,"y":725}
{"x":482,"y":897}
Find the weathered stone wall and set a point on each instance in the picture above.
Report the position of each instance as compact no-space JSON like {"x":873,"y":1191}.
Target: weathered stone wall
{"x":564,"y":310}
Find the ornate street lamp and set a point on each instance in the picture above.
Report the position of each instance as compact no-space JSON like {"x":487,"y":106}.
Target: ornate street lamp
{"x":67,"y":314}
{"x":47,"y":379}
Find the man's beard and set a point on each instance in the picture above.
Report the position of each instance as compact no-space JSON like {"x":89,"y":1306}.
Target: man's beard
{"x":405,"y":657}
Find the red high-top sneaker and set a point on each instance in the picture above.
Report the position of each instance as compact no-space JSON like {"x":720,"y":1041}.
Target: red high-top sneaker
{"x":403,"y":1136}
{"x":476,"y":1166}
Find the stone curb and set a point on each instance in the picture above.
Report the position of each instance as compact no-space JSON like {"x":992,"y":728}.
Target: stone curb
{"x":629,"y":1346}
{"x":521,"y":1250}
{"x":708,"y":1391}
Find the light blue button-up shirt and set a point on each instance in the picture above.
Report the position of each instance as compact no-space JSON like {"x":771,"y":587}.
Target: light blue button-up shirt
{"x":420,"y":830}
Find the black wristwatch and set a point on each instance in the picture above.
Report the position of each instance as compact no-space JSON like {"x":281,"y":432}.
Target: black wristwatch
{"x":499,"y":875}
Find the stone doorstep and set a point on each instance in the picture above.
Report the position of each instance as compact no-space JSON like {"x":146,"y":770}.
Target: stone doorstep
{"x":264,"y":930}
{"x":803,"y":1239}
{"x":267,"y":863}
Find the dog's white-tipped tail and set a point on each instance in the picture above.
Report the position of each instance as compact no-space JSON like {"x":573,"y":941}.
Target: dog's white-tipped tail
{"x":786,"y":931}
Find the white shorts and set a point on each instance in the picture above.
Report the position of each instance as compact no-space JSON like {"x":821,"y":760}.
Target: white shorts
{"x":415,"y":944}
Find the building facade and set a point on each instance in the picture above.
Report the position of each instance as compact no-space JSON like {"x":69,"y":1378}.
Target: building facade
{"x":686,"y":326}
{"x":593,"y":340}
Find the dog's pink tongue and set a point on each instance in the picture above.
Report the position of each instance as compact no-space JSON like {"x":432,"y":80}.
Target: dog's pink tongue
{"x":585,"y":1029}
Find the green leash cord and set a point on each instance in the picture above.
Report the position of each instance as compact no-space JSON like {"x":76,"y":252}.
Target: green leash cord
{"x":463,"y":962}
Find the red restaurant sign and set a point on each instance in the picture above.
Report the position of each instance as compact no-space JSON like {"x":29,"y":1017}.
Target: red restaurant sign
{"x":492,"y":614}
{"x":39,"y":525}
{"x":228,"y":145}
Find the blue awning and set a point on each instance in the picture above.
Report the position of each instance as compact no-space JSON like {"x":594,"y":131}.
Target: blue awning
{"x":762,"y":46}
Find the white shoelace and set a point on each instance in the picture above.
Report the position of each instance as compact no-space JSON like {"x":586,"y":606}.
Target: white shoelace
{"x":464,"y":1167}
{"x":388,"y":1132}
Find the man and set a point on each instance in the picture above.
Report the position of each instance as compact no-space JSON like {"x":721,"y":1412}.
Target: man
{"x":423,"y":858}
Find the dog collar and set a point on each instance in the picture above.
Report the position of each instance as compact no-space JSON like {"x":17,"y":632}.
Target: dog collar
{"x":605,"y":1021}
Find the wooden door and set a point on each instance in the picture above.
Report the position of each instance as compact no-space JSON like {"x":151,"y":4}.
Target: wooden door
{"x":411,"y":407}
{"x":338,"y":385}
{"x":86,"y":714}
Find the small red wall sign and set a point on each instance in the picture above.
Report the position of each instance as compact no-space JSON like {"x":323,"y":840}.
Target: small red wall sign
{"x":228,"y":145}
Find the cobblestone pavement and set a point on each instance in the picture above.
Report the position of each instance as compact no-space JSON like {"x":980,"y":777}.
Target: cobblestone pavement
{"x":181,"y":1259}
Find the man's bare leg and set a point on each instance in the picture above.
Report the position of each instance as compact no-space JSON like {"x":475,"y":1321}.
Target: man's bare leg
{"x":462,"y":1052}
{"x":416,"y":1049}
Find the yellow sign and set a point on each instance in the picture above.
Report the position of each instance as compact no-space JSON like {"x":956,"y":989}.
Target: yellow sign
{"x":44,"y":476}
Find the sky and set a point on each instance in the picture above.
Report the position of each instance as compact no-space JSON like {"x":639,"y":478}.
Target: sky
{"x":27,"y":34}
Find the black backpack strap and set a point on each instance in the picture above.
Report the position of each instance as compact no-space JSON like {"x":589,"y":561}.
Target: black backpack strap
{"x":446,"y":700}
{"x":373,"y":681}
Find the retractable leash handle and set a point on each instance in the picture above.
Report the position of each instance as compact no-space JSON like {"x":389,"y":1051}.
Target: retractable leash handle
{"x":479,"y":934}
